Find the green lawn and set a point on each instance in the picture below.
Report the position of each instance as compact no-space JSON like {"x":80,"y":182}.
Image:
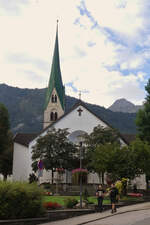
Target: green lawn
{"x":93,"y":199}
{"x":60,"y":199}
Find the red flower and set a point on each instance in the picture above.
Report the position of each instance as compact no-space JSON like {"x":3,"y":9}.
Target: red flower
{"x":52,"y":205}
{"x":135,"y":194}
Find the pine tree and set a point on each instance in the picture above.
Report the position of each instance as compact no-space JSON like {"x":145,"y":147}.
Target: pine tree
{"x":6,"y":143}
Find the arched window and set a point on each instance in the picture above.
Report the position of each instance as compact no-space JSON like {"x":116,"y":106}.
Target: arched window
{"x":51,"y":116}
{"x":56,"y":115}
{"x":53,"y":98}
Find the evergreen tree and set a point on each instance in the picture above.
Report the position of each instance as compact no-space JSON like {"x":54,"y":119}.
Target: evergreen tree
{"x":6,"y":143}
{"x":4,"y":127}
{"x":6,"y":158}
{"x":143,"y":117}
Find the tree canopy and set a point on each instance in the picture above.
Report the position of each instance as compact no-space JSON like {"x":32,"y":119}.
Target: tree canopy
{"x":143,"y":117}
{"x":104,"y":154}
{"x":55,"y":151}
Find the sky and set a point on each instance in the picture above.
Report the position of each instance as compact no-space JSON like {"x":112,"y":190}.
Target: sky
{"x":104,"y":46}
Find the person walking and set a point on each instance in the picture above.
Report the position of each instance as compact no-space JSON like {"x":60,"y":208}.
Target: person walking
{"x":100,"y":196}
{"x":114,"y":194}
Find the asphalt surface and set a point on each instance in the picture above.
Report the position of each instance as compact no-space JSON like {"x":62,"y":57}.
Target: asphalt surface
{"x":138,"y":214}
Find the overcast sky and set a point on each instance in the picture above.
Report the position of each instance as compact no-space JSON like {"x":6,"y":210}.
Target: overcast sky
{"x":104,"y":46}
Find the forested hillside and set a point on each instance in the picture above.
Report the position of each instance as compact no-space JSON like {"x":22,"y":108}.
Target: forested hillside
{"x":25,"y":107}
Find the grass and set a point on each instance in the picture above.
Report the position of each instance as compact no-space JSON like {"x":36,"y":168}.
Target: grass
{"x":60,"y":199}
{"x":92,"y":199}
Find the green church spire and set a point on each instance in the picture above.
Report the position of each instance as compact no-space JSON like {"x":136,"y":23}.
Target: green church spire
{"x":55,"y":80}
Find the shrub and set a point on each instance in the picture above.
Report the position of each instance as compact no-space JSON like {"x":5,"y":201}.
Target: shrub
{"x":20,"y":200}
{"x":70,"y":202}
{"x":52,"y":205}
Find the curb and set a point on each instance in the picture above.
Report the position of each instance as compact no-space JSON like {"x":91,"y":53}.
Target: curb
{"x":134,"y":210}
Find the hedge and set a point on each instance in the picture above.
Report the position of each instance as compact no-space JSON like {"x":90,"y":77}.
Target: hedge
{"x":20,"y":200}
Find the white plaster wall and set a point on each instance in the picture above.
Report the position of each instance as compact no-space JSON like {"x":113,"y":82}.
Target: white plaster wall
{"x":9,"y":178}
{"x":20,"y":163}
{"x":86,"y":122}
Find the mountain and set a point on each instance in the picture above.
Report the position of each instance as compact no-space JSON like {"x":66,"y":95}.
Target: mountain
{"x":25,"y":107}
{"x":122,"y":105}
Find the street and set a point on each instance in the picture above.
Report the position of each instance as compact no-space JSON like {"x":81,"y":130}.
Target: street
{"x":138,"y":214}
{"x":141,"y":217}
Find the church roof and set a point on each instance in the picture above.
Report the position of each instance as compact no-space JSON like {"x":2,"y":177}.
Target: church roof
{"x":55,"y":80}
{"x":128,"y":138}
{"x":24,"y":138}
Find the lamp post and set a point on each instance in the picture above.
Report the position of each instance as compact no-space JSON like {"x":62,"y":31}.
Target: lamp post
{"x":80,"y":146}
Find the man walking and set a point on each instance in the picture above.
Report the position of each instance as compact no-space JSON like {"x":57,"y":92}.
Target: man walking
{"x":100,"y":196}
{"x":113,"y":197}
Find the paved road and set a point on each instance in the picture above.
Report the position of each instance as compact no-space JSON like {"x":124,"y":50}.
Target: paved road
{"x":128,"y":215}
{"x":141,"y":217}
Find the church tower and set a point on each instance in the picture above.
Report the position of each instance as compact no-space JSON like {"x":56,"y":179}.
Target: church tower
{"x":55,"y":96}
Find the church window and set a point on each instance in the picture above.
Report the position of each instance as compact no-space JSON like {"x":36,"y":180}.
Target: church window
{"x":56,"y":115}
{"x":53,"y":98}
{"x":51,"y":116}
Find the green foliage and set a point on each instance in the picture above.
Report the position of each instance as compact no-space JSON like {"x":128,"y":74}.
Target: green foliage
{"x":20,"y":200}
{"x":105,"y":154}
{"x":141,"y":154}
{"x":119,"y":186}
{"x":55,"y":151}
{"x":100,"y":136}
{"x":32,"y":178}
{"x":6,"y":143}
{"x":143,"y":117}
{"x":25,"y":107}
{"x":4,"y":127}
{"x":70,"y":202}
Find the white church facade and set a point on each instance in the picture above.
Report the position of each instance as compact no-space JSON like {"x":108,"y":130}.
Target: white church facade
{"x":79,"y":120}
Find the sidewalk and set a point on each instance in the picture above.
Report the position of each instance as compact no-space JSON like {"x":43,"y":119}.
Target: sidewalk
{"x":96,"y":216}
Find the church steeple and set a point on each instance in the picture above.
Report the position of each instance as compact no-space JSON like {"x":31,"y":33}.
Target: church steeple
{"x":55,"y":95}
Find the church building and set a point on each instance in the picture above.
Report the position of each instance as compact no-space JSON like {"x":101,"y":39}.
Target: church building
{"x":79,"y":120}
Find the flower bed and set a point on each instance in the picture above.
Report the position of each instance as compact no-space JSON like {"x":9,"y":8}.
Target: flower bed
{"x":135,"y":194}
{"x":51,"y":205}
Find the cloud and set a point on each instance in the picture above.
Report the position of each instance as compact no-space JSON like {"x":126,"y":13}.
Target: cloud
{"x":24,"y":59}
{"x":12,"y":7}
{"x":104,"y":46}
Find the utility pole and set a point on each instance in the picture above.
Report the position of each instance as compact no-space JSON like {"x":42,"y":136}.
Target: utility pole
{"x":80,"y":146}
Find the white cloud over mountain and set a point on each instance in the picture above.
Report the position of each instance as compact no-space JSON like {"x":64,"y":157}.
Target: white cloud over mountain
{"x":104,"y":46}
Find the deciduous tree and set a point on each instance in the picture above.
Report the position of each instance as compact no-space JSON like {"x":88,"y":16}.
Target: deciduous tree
{"x":55,"y":151}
